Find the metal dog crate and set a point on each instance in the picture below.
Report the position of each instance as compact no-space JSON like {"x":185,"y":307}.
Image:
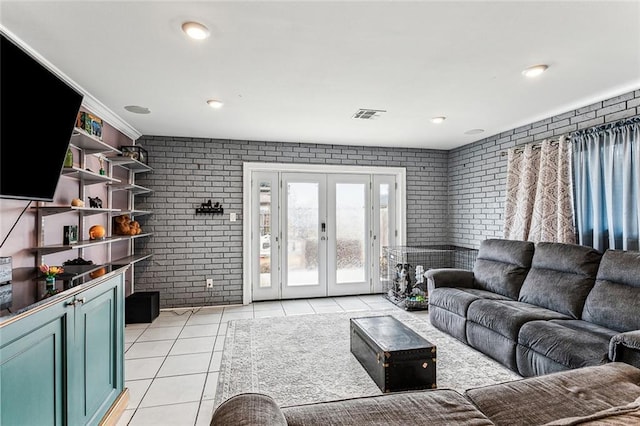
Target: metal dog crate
{"x":402,"y":270}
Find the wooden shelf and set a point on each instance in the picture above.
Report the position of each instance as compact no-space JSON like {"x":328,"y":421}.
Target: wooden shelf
{"x":131,"y":259}
{"x":72,"y":272}
{"x":55,"y":248}
{"x":88,"y":177}
{"x":129,"y":163}
{"x":131,"y":237}
{"x":84,"y":211}
{"x":133,"y":213}
{"x":89,"y":143}
{"x":135,"y":189}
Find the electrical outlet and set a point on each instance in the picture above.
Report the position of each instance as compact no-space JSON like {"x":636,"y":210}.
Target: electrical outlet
{"x":209,"y":282}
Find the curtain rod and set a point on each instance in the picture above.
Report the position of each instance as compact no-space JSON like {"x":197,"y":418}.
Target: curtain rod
{"x":569,"y":136}
{"x":534,"y":145}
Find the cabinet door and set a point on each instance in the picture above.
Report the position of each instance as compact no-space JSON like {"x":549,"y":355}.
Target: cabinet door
{"x":33,"y":368}
{"x":98,"y":362}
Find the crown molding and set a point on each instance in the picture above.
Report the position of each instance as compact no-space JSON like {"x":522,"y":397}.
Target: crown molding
{"x":89,"y":101}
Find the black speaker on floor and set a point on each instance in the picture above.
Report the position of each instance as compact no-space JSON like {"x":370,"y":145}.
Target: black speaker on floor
{"x":141,"y":307}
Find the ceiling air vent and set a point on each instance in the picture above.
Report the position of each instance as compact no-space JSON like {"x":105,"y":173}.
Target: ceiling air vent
{"x":367,"y":114}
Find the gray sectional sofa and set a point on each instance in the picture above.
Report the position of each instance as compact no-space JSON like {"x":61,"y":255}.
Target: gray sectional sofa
{"x":542,"y":308}
{"x":605,"y":394}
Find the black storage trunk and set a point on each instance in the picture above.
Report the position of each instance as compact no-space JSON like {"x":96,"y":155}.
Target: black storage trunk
{"x":396,"y":357}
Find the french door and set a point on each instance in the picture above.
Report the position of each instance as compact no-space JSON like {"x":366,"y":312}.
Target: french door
{"x":319,"y":234}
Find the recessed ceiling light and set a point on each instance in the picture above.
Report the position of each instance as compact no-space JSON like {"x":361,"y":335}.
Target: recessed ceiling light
{"x":473,"y":131}
{"x":534,"y":71}
{"x":195,"y":30}
{"x":137,"y":109}
{"x":214,"y":103}
{"x":438,"y":120}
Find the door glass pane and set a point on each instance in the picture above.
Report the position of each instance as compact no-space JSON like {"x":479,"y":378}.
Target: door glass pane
{"x":350,"y":232}
{"x":302,"y":233}
{"x":383,"y":237}
{"x":265,"y":234}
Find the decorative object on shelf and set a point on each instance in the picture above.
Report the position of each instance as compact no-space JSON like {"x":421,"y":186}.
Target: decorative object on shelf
{"x":90,"y":124}
{"x":208,"y":208}
{"x":77,"y":261}
{"x":68,"y":159}
{"x":136,"y":152}
{"x":101,"y":160}
{"x":70,"y":234}
{"x":123,"y":225}
{"x":50,"y":273}
{"x":95,"y":203}
{"x":77,"y":202}
{"x":98,"y":273}
{"x":97,"y":232}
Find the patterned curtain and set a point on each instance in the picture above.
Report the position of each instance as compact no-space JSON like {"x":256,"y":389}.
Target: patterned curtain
{"x":539,"y":201}
{"x":607,"y":176}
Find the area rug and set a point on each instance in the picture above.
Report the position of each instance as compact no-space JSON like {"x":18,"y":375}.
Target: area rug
{"x":307,"y":358}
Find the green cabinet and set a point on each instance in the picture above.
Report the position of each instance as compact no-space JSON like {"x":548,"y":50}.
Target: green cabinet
{"x":63,"y":364}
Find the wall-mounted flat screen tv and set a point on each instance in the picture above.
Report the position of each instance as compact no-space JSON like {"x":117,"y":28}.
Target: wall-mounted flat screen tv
{"x":38,"y":111}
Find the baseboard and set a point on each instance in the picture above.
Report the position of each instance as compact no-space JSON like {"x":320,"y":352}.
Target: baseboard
{"x":116,"y":410}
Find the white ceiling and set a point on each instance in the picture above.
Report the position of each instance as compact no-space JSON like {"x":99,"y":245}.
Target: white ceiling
{"x":296,"y":71}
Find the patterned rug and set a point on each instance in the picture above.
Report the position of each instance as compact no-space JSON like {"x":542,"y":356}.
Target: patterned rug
{"x":307,"y":358}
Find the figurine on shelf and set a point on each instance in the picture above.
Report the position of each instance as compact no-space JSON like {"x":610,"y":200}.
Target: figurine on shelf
{"x":95,"y":203}
{"x":101,"y":160}
{"x":68,"y":159}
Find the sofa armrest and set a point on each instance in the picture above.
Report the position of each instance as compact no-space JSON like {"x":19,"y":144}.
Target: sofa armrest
{"x":625,"y":347}
{"x":448,"y":277}
{"x":248,"y":409}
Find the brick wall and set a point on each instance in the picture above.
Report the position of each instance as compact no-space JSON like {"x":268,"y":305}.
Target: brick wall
{"x":189,"y":248}
{"x":453,"y":197}
{"x":477,"y":172}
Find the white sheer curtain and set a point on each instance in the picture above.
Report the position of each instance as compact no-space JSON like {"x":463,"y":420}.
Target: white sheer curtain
{"x":607,"y":175}
{"x":539,"y":199}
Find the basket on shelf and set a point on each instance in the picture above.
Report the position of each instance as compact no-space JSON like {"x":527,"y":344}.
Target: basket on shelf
{"x":136,"y":152}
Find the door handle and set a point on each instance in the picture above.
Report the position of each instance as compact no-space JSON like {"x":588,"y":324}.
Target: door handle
{"x":76,"y":302}
{"x":324,"y":227}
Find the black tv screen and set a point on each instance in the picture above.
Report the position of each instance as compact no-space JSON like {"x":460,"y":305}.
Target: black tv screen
{"x":38,"y":112}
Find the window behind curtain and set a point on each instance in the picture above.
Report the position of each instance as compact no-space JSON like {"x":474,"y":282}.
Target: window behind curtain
{"x":606,"y":166}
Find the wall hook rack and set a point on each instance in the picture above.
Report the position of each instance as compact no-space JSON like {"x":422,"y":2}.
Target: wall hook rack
{"x":208,"y":208}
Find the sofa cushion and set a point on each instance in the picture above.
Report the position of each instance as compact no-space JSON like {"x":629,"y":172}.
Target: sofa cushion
{"x":448,"y":308}
{"x":457,"y":300}
{"x":561,"y":277}
{"x":628,"y":414}
{"x":545,"y":399}
{"x":502,"y":265}
{"x":432,"y":407}
{"x":571,"y":343}
{"x":614,"y":301}
{"x":625,"y":347}
{"x":248,"y":409}
{"x":507,"y":316}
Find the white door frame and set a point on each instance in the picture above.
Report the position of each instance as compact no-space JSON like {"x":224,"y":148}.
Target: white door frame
{"x":249,"y":167}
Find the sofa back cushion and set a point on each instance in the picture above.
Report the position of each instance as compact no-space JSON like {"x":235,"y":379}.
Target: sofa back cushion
{"x":561,"y":277}
{"x":502,"y":265}
{"x":614,"y":301}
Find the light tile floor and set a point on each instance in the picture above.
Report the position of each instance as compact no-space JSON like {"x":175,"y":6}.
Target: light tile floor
{"x":172,"y":364}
